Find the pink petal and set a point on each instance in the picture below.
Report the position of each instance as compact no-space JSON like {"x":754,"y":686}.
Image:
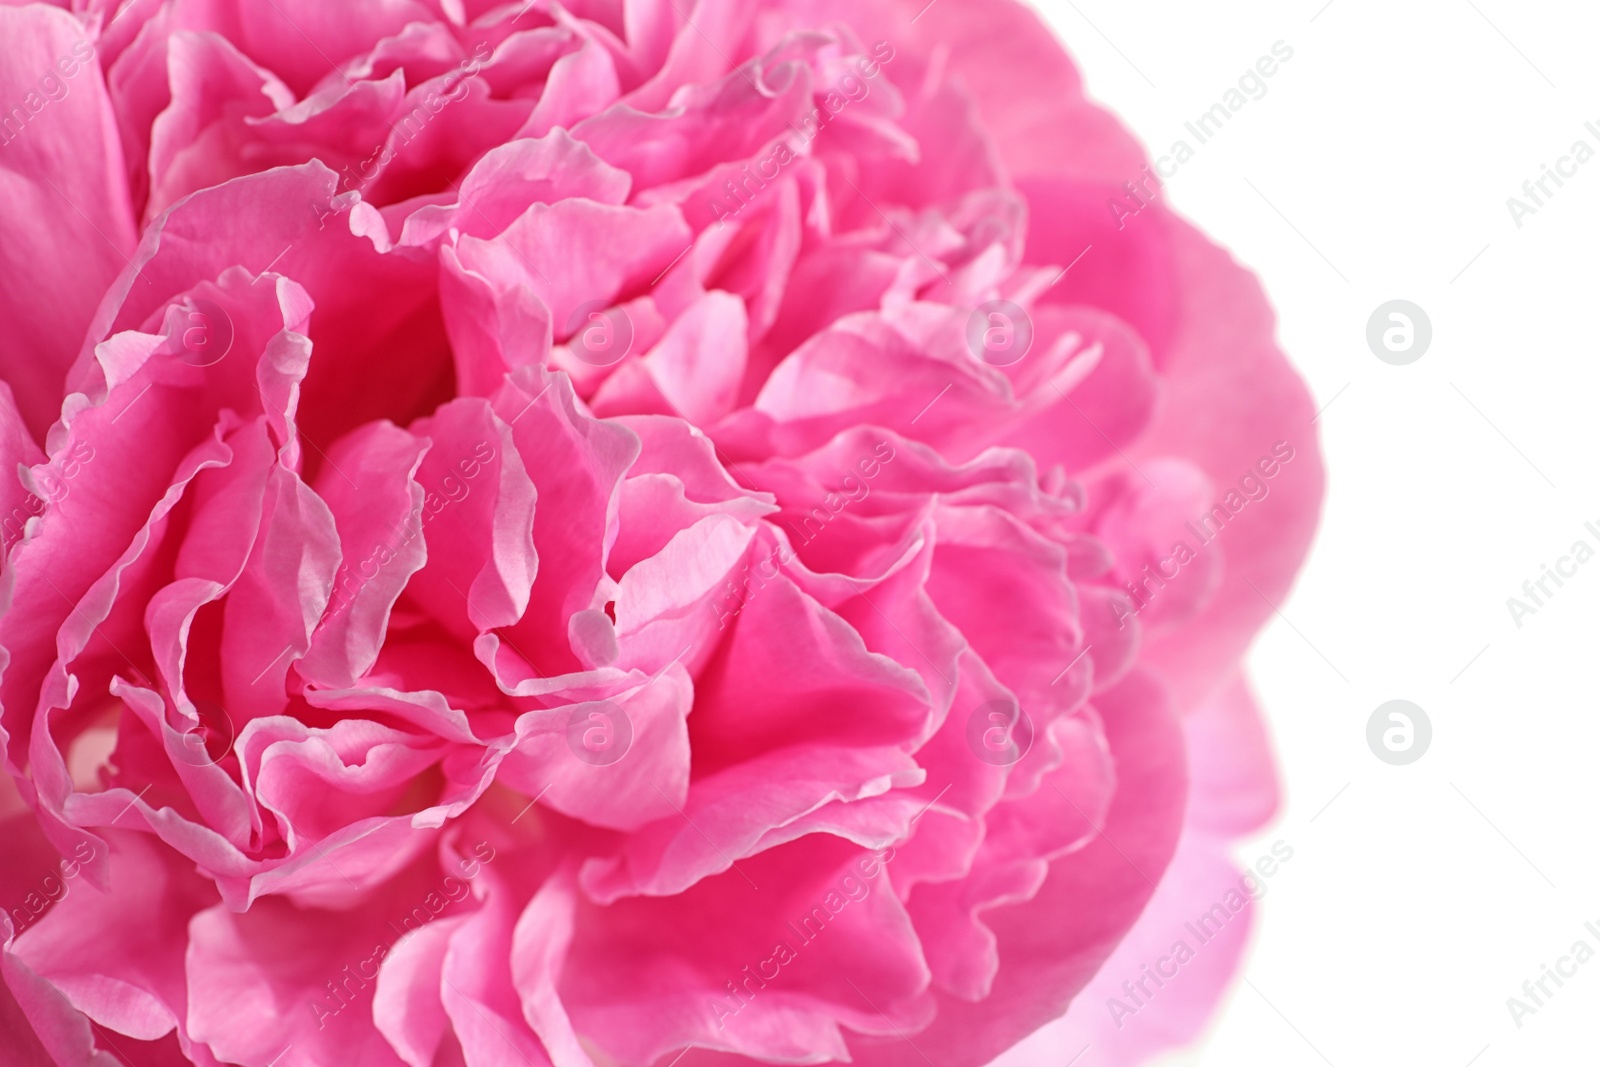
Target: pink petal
{"x":68,"y":226}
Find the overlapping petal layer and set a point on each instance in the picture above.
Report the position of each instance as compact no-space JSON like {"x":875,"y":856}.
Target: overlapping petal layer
{"x":593,"y":534}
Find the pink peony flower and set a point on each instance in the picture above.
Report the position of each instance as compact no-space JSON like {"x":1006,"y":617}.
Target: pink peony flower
{"x":611,"y":534}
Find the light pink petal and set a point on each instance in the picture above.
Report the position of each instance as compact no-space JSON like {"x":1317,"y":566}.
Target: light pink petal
{"x":828,"y":671}
{"x":848,"y":944}
{"x":201,"y":137}
{"x":18,"y":450}
{"x":407,"y":1007}
{"x":694,"y":371}
{"x":668,"y":603}
{"x":38,"y":1025}
{"x":605,"y":251}
{"x":118,"y":955}
{"x":756,"y":805}
{"x":257,"y":986}
{"x":648,"y":781}
{"x":477,"y":520}
{"x":540,"y":942}
{"x":68,"y":227}
{"x":1203,"y":904}
{"x":373,"y":305}
{"x":378,"y":519}
{"x":511,"y":178}
{"x":1229,"y":377}
{"x":302,"y":40}
{"x":127,"y":441}
{"x":484,"y":1007}
{"x":576,"y":463}
{"x":1052,"y":945}
{"x":1028,"y":94}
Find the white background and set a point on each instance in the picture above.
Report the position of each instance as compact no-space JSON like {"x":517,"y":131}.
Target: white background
{"x":1423,"y":896}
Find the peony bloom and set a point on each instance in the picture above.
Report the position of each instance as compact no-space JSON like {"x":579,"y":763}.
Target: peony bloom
{"x":612,"y":533}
